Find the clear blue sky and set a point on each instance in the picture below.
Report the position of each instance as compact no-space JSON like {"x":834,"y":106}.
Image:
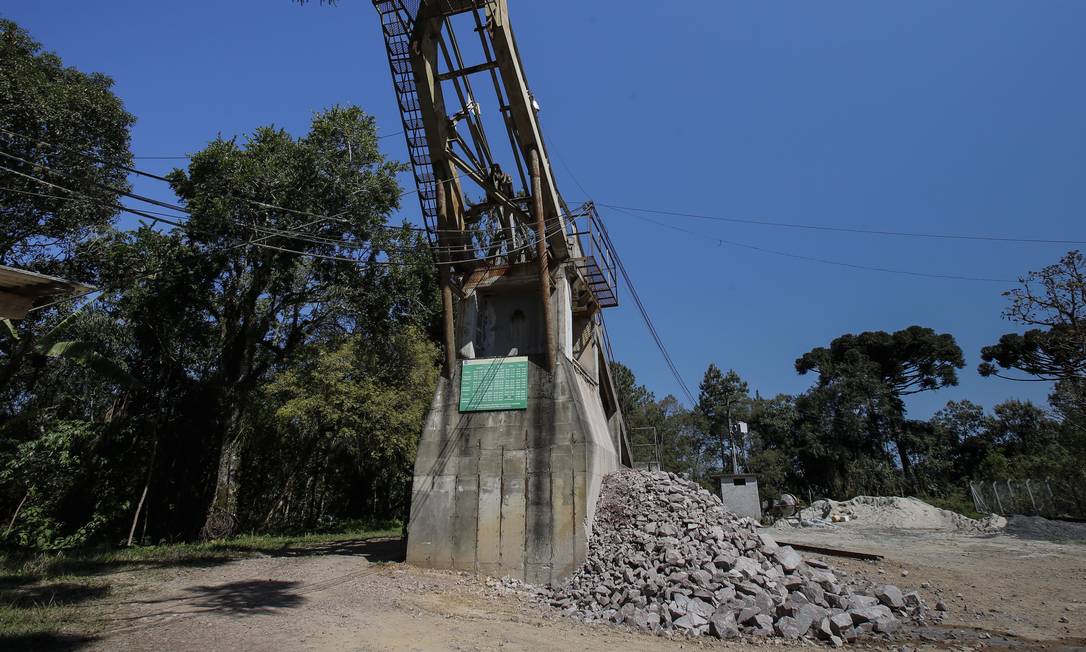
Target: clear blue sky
{"x":950,"y":117}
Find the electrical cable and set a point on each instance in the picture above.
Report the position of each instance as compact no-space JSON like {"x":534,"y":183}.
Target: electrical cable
{"x":310,"y":238}
{"x":116,"y":206}
{"x":277,"y":233}
{"x":158,"y":177}
{"x":722,"y":241}
{"x":646,"y":318}
{"x":816,"y":227}
{"x":96,"y":184}
{"x":185,"y":227}
{"x":186,"y":211}
{"x":843,"y":229}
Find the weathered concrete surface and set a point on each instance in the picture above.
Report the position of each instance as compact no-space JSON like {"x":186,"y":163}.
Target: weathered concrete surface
{"x":740,"y":494}
{"x":511,"y":492}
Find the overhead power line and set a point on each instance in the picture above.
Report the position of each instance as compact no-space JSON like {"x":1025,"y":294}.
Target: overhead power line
{"x":167,"y":218}
{"x":158,"y":177}
{"x":655,"y":334}
{"x":845,"y":229}
{"x":79,"y":195}
{"x":101,"y":186}
{"x":707,"y":237}
{"x":364,"y":248}
{"x":295,"y":234}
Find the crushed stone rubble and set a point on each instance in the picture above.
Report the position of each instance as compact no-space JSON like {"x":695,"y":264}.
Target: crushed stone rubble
{"x":666,"y":557}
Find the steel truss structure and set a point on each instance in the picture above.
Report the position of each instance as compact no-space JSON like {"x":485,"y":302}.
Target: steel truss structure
{"x":472,"y":130}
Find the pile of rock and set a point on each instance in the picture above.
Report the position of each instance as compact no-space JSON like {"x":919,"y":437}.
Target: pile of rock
{"x":666,"y":556}
{"x":894,"y":512}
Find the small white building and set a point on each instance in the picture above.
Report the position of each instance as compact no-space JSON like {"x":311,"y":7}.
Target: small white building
{"x":739,"y":491}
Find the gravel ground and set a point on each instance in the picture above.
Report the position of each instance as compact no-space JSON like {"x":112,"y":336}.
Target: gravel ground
{"x":1002,"y":592}
{"x":1033,"y":590}
{"x":1043,"y":529}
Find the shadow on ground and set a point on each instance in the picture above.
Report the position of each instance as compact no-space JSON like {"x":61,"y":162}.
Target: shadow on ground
{"x":246,"y":598}
{"x":43,"y":642}
{"x":25,"y":595}
{"x":373,"y":550}
{"x":255,"y":597}
{"x":95,"y":567}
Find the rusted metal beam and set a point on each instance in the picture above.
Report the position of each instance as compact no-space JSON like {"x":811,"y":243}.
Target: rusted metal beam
{"x":444,"y":277}
{"x":522,"y":114}
{"x":463,"y":72}
{"x":484,"y":183}
{"x":541,"y":256}
{"x":833,"y":552}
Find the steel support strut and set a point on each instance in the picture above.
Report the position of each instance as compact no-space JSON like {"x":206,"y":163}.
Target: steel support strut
{"x":444,"y":277}
{"x":541,"y":257}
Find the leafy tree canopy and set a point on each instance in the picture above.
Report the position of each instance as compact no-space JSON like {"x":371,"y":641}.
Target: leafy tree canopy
{"x":915,"y":359}
{"x":1052,"y":302}
{"x":44,"y":101}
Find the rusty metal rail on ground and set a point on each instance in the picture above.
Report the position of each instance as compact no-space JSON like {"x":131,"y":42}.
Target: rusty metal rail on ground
{"x":834,"y":552}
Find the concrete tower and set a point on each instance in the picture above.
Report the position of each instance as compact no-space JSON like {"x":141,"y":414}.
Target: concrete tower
{"x":524,"y":422}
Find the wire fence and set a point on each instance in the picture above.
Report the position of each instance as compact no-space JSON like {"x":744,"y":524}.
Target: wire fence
{"x":1051,"y":498}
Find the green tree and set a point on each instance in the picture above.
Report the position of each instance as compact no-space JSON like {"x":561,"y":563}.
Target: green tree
{"x":221,"y":357}
{"x":670,"y":421}
{"x":53,"y":118}
{"x":881,"y":368}
{"x":772,"y":457}
{"x":962,"y":425}
{"x":270,"y":300}
{"x":1052,"y":304}
{"x":723,"y":400}
{"x":42,"y":228}
{"x":349,"y":410}
{"x":43,"y":101}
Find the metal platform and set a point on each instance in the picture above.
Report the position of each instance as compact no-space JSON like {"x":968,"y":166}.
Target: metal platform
{"x":591,"y":255}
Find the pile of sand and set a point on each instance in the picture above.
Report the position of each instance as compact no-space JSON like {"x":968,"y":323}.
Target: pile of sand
{"x":890,"y":512}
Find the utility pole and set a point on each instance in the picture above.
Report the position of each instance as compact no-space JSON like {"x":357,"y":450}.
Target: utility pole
{"x":739,"y":431}
{"x":731,"y":434}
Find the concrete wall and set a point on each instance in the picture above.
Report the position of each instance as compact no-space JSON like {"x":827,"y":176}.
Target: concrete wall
{"x":511,"y":492}
{"x":739,"y":493}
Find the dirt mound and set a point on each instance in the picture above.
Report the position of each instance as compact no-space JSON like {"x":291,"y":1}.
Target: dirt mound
{"x":666,"y":556}
{"x":889,"y":512}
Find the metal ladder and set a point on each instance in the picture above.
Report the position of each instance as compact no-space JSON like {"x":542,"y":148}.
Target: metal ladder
{"x":397,"y":23}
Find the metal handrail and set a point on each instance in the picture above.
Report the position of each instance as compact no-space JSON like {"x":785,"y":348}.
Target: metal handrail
{"x":584,"y":234}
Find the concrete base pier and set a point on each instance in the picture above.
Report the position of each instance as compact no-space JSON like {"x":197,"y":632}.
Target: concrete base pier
{"x":512,"y":492}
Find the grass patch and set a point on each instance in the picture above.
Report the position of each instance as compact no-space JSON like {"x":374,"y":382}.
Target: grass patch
{"x":39,"y":628}
{"x":92,"y":562}
{"x":41,"y":594}
{"x":45,"y":615}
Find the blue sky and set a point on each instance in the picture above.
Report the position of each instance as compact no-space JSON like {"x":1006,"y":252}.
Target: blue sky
{"x":946,"y":117}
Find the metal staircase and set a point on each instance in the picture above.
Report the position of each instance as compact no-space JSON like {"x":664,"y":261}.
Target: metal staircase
{"x":397,"y":23}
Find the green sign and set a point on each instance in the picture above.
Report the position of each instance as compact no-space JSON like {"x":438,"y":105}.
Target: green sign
{"x":494,"y":384}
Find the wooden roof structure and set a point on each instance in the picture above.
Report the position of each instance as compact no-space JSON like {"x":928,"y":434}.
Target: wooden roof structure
{"x":19,"y":289}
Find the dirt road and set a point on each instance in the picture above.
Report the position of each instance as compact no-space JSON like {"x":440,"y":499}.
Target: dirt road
{"x":356,"y":597}
{"x":345,"y":597}
{"x":1033,"y":590}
